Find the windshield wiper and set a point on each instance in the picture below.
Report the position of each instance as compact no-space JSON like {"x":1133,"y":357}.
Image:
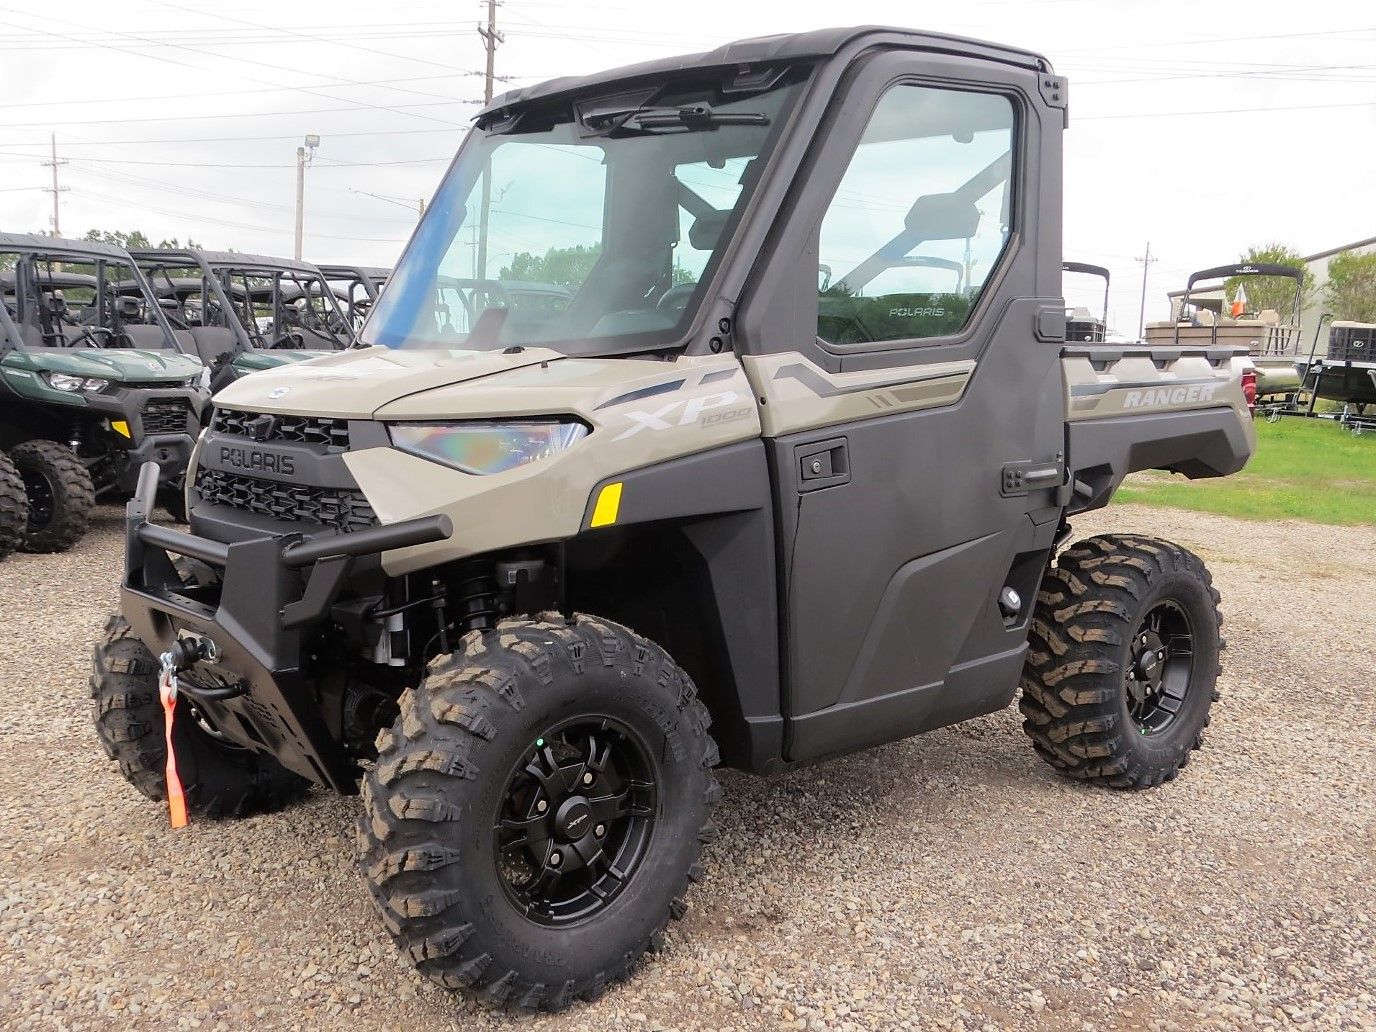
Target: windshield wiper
{"x":692,"y":117}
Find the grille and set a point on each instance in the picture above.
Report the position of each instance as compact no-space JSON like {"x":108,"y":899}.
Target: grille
{"x":339,"y":508}
{"x":1354,"y":342}
{"x":332,"y":433}
{"x":166,"y":416}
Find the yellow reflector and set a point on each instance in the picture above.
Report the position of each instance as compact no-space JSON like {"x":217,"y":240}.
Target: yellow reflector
{"x":120,"y":427}
{"x":608,"y":504}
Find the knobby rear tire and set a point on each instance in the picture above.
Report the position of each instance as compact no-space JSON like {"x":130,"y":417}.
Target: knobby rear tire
{"x":70,"y":495}
{"x":14,"y":507}
{"x":1075,"y":697}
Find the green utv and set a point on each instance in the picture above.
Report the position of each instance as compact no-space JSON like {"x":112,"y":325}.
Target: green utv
{"x":768,"y":484}
{"x":241,"y":313}
{"x":92,"y":386}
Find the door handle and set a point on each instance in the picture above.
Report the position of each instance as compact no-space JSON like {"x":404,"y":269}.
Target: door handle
{"x":822,"y":464}
{"x":1020,"y":478}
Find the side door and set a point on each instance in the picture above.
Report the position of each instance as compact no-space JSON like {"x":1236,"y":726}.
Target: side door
{"x":911,"y":396}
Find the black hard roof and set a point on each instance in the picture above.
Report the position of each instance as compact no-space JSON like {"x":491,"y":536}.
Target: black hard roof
{"x":32,"y":243}
{"x":334,"y":271}
{"x":52,"y":279}
{"x":227,"y":259}
{"x":772,"y":49}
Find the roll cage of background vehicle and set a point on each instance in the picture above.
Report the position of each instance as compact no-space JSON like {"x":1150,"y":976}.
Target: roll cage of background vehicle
{"x":78,"y":294}
{"x":357,"y":287}
{"x":263,"y":302}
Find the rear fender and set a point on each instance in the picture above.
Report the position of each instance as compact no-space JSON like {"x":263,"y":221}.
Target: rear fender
{"x":1182,"y":410}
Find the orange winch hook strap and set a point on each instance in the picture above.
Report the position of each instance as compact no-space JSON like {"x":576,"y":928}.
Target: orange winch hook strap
{"x":176,"y":798}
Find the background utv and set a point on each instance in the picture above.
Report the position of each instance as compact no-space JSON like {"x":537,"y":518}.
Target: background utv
{"x":91,"y":387}
{"x":240,"y":313}
{"x":771,"y":465}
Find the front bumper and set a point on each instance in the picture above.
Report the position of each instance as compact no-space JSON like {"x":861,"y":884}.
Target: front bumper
{"x":273,"y":591}
{"x":171,"y":453}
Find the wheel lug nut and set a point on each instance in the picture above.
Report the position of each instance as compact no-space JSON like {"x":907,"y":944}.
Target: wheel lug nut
{"x":541,"y":806}
{"x":600,"y":830}
{"x":556,"y":858}
{"x":587,"y":778}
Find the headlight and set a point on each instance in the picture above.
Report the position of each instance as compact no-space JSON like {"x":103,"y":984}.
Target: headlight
{"x":63,"y":382}
{"x":484,"y":448}
{"x":71,"y":384}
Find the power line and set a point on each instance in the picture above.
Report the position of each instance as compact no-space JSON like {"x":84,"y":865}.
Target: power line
{"x":315,"y":91}
{"x":331,"y":164}
{"x":310,"y":37}
{"x":1217,"y":39}
{"x":145,"y":182}
{"x":1226,"y":111}
{"x":254,"y":114}
{"x":162,"y":97}
{"x":180,"y":141}
{"x":142,"y":206}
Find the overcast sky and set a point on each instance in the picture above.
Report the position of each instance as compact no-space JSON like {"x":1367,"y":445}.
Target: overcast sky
{"x":1200,"y":126}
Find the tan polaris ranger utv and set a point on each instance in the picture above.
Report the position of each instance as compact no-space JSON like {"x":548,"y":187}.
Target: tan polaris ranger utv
{"x":786,"y":448}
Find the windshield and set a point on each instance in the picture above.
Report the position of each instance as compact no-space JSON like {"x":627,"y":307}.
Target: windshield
{"x":591,"y":227}
{"x":69,"y":300}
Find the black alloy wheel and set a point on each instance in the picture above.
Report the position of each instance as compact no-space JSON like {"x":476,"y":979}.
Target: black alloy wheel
{"x":538,"y":810}
{"x":575,"y":820}
{"x":1161,"y":669}
{"x":39,"y":489}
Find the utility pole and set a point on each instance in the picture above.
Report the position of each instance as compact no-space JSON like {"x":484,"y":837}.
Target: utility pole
{"x":1146,"y":261}
{"x":55,"y":189}
{"x":303,"y":158}
{"x":491,"y":37}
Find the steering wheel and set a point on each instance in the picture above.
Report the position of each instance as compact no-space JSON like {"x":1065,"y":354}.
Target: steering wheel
{"x":291,"y":340}
{"x":88,"y":334}
{"x":676,"y":298}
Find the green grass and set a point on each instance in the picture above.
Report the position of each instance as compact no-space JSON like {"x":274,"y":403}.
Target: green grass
{"x":1304,"y":469}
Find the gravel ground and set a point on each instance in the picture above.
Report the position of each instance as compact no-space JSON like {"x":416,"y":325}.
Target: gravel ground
{"x":950,"y":881}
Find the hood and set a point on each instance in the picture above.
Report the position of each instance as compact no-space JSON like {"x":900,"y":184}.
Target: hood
{"x":355,"y":384}
{"x":265,"y":358}
{"x":120,"y":365}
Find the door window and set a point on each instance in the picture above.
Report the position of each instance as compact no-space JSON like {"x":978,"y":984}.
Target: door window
{"x":915,"y":230}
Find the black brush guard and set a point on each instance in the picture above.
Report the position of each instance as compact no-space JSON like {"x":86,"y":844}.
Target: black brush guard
{"x":272,"y":590}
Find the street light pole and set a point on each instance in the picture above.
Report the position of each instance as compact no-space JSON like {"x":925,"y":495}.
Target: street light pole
{"x":303,"y":158}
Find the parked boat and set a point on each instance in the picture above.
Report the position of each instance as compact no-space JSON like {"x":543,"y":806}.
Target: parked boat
{"x":1274,"y":345}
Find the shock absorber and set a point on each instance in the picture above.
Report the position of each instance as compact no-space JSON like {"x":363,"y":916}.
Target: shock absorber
{"x":476,"y":598}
